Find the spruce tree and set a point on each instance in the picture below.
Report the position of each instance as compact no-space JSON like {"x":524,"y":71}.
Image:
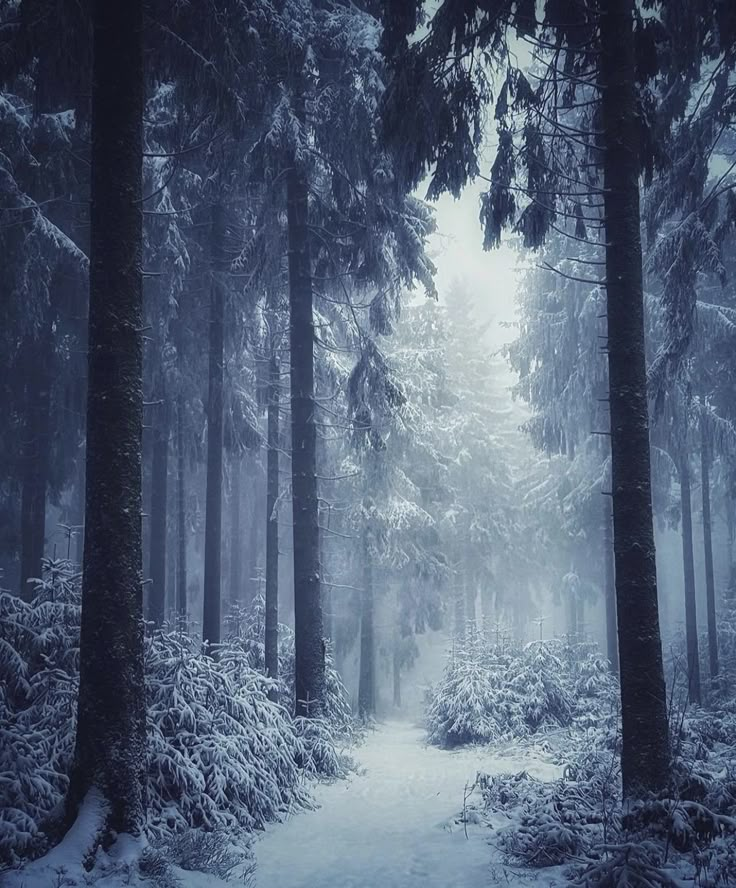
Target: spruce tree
{"x":109,"y":755}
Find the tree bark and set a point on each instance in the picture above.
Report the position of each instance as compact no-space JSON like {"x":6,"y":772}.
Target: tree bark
{"x":236,"y":535}
{"x":252,"y":584}
{"x":36,"y":456}
{"x":366,"y":681}
{"x":181,"y":516}
{"x":159,"y":503}
{"x":459,"y":612}
{"x":309,"y":643}
{"x":645,"y":758}
{"x":710,"y":586}
{"x":272,"y":522}
{"x":688,"y":562}
{"x":211,"y":617}
{"x":110,"y":750}
{"x":470,"y":602}
{"x":79,"y":505}
{"x":609,"y":587}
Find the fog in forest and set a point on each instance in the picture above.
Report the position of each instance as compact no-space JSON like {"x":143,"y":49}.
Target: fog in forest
{"x":367,"y":443}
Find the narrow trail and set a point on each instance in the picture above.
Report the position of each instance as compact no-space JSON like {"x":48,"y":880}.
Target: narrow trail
{"x":393,"y":824}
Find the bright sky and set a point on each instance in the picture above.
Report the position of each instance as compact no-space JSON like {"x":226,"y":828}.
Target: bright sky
{"x":457,"y":250}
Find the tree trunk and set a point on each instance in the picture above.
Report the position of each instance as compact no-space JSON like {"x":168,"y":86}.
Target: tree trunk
{"x":172,"y":555}
{"x":181,"y":516}
{"x":213,"y":497}
{"x":309,"y":643}
{"x":645,"y":757}
{"x":79,"y":505}
{"x":688,"y":562}
{"x":397,"y":651}
{"x":236,"y":540}
{"x":36,"y":456}
{"x":731,"y":590}
{"x":159,"y":503}
{"x":459,"y":612}
{"x":573,"y":617}
{"x":253,"y":580}
{"x":470,"y":603}
{"x":272,"y":523}
{"x":609,"y":588}
{"x":710,"y":586}
{"x":366,"y":681}
{"x":110,"y":750}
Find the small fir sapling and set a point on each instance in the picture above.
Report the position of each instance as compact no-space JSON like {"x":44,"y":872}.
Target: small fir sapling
{"x":488,"y":693}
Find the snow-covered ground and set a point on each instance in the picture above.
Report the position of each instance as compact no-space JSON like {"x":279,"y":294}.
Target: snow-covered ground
{"x":394,"y":824}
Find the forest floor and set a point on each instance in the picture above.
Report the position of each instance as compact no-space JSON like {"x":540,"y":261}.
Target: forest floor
{"x":397,"y":822}
{"x":407,"y":817}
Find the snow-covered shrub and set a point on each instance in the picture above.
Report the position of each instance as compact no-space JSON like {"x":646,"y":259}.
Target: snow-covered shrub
{"x":538,"y":682}
{"x":715,"y":865}
{"x":39,"y":663}
{"x":319,"y":756}
{"x":554,"y":822}
{"x":487,"y":693}
{"x":628,"y":865}
{"x":196,"y":850}
{"x":579,"y":820}
{"x":221,"y":754}
{"x":246,"y":632}
{"x":462,"y":708}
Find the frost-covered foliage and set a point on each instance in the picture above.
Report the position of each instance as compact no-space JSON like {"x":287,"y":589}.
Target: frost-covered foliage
{"x":685,"y":836}
{"x":488,"y":693}
{"x":215,"y":853}
{"x":222,"y":756}
{"x":245,"y":649}
{"x":39,"y":662}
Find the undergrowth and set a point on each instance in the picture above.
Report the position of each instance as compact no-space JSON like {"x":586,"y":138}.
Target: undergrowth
{"x":222,"y":756}
{"x":490,"y":693}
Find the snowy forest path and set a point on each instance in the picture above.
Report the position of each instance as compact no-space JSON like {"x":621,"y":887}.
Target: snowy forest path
{"x":393,"y":824}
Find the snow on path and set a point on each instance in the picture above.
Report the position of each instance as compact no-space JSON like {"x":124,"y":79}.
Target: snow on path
{"x":393,"y":824}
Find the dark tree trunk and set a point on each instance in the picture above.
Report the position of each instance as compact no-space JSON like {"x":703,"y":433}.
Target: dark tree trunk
{"x":469,"y":602}
{"x":79,"y":505}
{"x":272,"y":522}
{"x":171,"y":551}
{"x":236,"y":534}
{"x":36,"y":456}
{"x":181,"y":516}
{"x":309,"y":643}
{"x":253,"y":544}
{"x":609,"y":588}
{"x":731,"y":590}
{"x":366,"y":681}
{"x":459,"y":612}
{"x":573,"y":617}
{"x":213,"y":518}
{"x":688,"y":563}
{"x":645,"y":757}
{"x":159,"y":503}
{"x":710,"y":586}
{"x":110,"y":750}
